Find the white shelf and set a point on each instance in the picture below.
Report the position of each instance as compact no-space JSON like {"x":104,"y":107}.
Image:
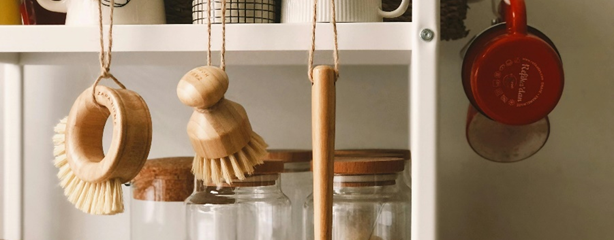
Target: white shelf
{"x":247,"y":44}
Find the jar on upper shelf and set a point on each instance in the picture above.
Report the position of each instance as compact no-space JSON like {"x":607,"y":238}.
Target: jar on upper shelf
{"x":370,"y":199}
{"x":158,"y":193}
{"x":251,"y":209}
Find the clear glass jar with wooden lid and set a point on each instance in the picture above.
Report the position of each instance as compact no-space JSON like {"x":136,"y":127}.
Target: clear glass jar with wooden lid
{"x":158,"y":192}
{"x":370,"y":199}
{"x":296,"y":182}
{"x":251,"y":209}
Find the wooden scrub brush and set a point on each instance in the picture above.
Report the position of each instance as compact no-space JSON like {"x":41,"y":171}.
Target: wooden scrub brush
{"x":92,"y":180}
{"x":226,"y":147}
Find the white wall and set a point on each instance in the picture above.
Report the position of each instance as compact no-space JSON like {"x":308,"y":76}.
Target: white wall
{"x":1,"y":152}
{"x":565,"y":192}
{"x":372,"y":113}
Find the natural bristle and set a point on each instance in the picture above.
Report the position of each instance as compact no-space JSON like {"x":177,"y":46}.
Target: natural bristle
{"x":104,"y":198}
{"x":231,"y":167}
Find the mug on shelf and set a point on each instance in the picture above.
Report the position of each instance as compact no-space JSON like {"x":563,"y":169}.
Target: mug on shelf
{"x":237,"y":11}
{"x":9,"y":12}
{"x":85,"y":12}
{"x":300,"y":11}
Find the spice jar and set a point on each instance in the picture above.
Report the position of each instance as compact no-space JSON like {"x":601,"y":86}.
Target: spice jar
{"x":296,"y":181}
{"x":251,"y":209}
{"x":158,"y":193}
{"x":370,"y":200}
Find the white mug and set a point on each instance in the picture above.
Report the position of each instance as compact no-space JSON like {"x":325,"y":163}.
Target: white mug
{"x":85,"y":12}
{"x":300,"y":11}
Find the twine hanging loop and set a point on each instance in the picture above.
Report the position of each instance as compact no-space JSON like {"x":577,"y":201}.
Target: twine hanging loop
{"x":223,"y":48}
{"x":313,"y":39}
{"x":105,"y":56}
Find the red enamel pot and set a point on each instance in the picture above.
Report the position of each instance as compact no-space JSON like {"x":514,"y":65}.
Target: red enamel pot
{"x":513,"y":73}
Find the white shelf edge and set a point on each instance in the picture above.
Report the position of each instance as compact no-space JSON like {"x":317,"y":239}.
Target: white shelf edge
{"x":192,"y":38}
{"x":247,"y":44}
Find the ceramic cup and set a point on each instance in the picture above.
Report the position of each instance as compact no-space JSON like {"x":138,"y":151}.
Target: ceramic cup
{"x":85,"y":12}
{"x":237,"y":11}
{"x":300,"y":11}
{"x":9,"y":12}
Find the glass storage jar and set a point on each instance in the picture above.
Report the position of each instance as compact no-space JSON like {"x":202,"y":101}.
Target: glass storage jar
{"x":370,"y":200}
{"x":296,"y":183}
{"x":158,"y":192}
{"x":250,"y":209}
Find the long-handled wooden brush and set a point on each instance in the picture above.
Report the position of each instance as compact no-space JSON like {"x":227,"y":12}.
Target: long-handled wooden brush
{"x":91,"y":180}
{"x":226,"y":147}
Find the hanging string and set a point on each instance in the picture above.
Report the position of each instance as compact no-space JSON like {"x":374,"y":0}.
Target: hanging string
{"x":208,"y":32}
{"x":223,"y":50}
{"x":105,"y":56}
{"x":313,"y":39}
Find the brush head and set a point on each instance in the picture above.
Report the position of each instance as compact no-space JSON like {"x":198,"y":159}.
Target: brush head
{"x":202,"y":87}
{"x":104,"y":198}
{"x":233,"y":166}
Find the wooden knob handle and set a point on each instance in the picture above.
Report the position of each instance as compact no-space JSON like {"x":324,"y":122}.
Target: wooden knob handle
{"x":219,"y":131}
{"x":202,"y":87}
{"x":323,"y":134}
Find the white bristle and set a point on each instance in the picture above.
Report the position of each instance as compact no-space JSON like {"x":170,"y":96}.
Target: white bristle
{"x":226,"y":168}
{"x":216,"y":175}
{"x":236,"y":165}
{"x":104,"y":198}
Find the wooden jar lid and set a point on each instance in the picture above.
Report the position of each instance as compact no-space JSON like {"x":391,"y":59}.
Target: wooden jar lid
{"x":289,"y":155}
{"x":294,"y":160}
{"x":353,"y":165}
{"x":268,"y":167}
{"x":398,"y":153}
{"x":165,"y":180}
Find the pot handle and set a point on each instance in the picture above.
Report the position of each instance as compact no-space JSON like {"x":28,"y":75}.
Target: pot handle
{"x":54,"y":6}
{"x":397,"y":12}
{"x":516,"y":17}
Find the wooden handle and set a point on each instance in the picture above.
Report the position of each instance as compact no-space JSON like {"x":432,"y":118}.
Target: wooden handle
{"x":132,"y":133}
{"x":323,"y":135}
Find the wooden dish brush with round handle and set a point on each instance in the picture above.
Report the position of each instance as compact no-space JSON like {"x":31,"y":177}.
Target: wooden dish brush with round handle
{"x":92,"y":180}
{"x":224,"y":143}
